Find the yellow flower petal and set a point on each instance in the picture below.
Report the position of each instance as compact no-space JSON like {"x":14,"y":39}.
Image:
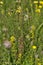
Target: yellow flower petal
{"x":41,"y":2}
{"x":40,"y":6}
{"x":35,"y":2}
{"x":12,"y":38}
{"x":39,"y":63}
{"x":18,"y":10}
{"x":34,"y":47}
{"x":1,"y":2}
{"x":37,"y":10}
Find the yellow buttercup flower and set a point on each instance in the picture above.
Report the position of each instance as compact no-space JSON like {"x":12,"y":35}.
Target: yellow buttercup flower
{"x":18,"y":10}
{"x":40,"y":6}
{"x":41,"y":2}
{"x":12,"y":38}
{"x":37,"y":10}
{"x":34,"y":47}
{"x":39,"y":63}
{"x":1,"y":2}
{"x":35,"y":2}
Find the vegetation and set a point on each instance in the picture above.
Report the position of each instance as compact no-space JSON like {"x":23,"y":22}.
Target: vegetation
{"x":21,"y":32}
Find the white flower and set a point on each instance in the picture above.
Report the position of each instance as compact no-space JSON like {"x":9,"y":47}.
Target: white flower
{"x":25,"y":17}
{"x":7,"y":44}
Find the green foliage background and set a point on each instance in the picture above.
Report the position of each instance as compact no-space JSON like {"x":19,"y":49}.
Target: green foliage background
{"x":20,"y":29}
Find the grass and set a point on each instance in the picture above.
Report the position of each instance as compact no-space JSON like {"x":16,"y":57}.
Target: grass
{"x":21,"y":32}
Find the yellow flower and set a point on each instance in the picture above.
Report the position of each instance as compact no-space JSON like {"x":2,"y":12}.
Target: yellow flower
{"x":39,"y":63}
{"x":37,"y":10}
{"x":20,"y":55}
{"x":34,"y":47}
{"x":35,"y":2}
{"x":1,"y":2}
{"x":40,"y":6}
{"x":12,"y":38}
{"x":41,"y":2}
{"x":18,"y":10}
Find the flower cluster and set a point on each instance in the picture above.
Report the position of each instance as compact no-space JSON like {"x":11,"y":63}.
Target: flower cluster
{"x":21,"y":32}
{"x":38,"y":7}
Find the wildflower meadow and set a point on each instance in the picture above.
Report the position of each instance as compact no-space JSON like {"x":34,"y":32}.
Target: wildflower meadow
{"x":21,"y":32}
